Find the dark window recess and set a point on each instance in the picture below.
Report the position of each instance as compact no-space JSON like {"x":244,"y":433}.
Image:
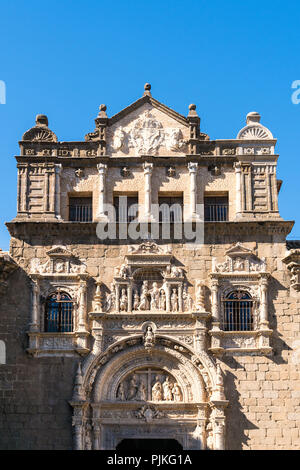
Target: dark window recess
{"x":238,"y":315}
{"x":80,"y":209}
{"x":216,"y":209}
{"x":126,"y":208}
{"x":59,"y":313}
{"x":170,"y":209}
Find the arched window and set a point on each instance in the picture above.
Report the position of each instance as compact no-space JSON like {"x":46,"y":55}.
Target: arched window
{"x":238,"y":311}
{"x":59,"y":313}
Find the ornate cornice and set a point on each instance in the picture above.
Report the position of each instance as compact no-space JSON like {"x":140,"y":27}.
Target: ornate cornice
{"x":212,"y":230}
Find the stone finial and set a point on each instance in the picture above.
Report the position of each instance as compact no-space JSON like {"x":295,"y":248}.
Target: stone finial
{"x":192,"y":110}
{"x":78,"y":392}
{"x":252,"y":117}
{"x":102,"y":111}
{"x":41,"y":120}
{"x":147,"y":88}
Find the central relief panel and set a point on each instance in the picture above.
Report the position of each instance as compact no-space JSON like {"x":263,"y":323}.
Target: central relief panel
{"x":149,"y":384}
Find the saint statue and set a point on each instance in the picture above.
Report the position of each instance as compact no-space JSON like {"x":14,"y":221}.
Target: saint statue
{"x":157,"y":392}
{"x":144,"y":302}
{"x":177,"y":395}
{"x":167,"y":389}
{"x":142,"y":392}
{"x":174,"y":301}
{"x":133,"y":387}
{"x":154,"y":297}
{"x":162,"y":300}
{"x":123,"y":301}
{"x":136,"y":300}
{"x":121,"y":392}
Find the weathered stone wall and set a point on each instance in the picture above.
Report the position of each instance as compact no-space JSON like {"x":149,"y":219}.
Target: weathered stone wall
{"x":263,"y":392}
{"x":34,"y":392}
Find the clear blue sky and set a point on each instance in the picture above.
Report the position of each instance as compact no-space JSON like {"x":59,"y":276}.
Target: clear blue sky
{"x":65,"y":58}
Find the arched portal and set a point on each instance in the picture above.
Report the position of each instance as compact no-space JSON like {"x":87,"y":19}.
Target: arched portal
{"x":129,"y":392}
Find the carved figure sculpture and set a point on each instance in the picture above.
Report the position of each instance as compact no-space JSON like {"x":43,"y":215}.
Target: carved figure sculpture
{"x":123,"y":271}
{"x":174,"y":301}
{"x":167,"y":389}
{"x":142,"y":392}
{"x":154,"y":297}
{"x":118,"y":139}
{"x":121,"y":392}
{"x":123,"y":301}
{"x":149,"y":338}
{"x":111,"y":299}
{"x":177,"y":395}
{"x":162,"y":300}
{"x":157,"y":392}
{"x":136,"y":300}
{"x":144,"y":302}
{"x":133,"y":388}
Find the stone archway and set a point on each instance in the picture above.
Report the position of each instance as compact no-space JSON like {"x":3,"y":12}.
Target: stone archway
{"x":114,"y":396}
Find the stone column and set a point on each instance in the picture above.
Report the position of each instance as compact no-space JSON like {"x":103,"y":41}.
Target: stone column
{"x":34,"y":325}
{"x":117,"y":297}
{"x":129,"y":298}
{"x":274,"y":190}
{"x":238,"y":180}
{"x":102,"y":169}
{"x":168,"y":297}
{"x":82,"y":306}
{"x":180,"y":298}
{"x":263,"y":324}
{"x":96,"y":435}
{"x":193,"y":169}
{"x":148,"y":168}
{"x":219,"y":434}
{"x":215,"y":304}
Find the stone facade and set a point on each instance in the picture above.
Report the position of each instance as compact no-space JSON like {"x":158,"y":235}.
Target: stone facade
{"x":166,"y":337}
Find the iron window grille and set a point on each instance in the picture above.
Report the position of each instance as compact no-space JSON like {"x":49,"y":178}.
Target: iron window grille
{"x":126,"y":208}
{"x":170,"y":209}
{"x":59,"y":313}
{"x":216,"y":209}
{"x":238,"y":311}
{"x":81,"y":209}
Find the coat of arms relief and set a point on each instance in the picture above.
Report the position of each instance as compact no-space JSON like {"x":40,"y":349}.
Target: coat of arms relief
{"x":146,"y":136}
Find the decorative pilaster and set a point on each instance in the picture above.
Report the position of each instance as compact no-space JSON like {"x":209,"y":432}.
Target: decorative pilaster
{"x":129,"y":297}
{"x":238,"y":179}
{"x":82,"y":307}
{"x":102,"y":169}
{"x":34,"y":325}
{"x":58,"y":169}
{"x":193,"y":169}
{"x":263,"y":323}
{"x":148,"y":169}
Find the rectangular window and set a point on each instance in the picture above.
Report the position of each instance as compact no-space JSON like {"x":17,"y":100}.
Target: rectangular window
{"x":80,"y":209}
{"x":126,"y":207}
{"x":170,"y":209}
{"x":216,"y":208}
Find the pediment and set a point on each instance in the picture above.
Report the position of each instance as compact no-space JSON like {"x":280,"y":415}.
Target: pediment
{"x":239,"y":250}
{"x":60,"y":251}
{"x":147,"y":128}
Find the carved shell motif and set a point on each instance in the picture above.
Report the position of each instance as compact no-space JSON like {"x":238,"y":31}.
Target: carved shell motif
{"x":255,"y":132}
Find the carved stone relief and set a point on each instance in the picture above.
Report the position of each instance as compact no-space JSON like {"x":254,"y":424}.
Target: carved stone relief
{"x":146,"y":136}
{"x":149,"y":385}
